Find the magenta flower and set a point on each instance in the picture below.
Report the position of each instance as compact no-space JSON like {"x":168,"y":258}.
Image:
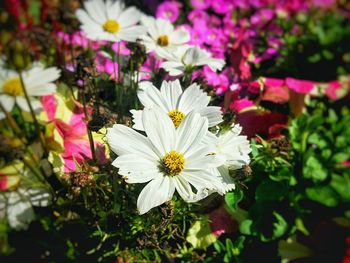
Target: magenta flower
{"x":197,"y":15}
{"x":241,"y":104}
{"x":121,"y":47}
{"x":261,"y":17}
{"x":73,"y":133}
{"x":300,"y":86}
{"x":201,"y":4}
{"x":222,"y":6}
{"x":169,"y":10}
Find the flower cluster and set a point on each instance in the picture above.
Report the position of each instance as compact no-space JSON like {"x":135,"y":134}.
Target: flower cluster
{"x":178,"y":152}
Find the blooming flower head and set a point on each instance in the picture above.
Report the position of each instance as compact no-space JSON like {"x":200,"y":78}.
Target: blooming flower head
{"x":169,"y":10}
{"x":162,"y":36}
{"x":37,"y":81}
{"x":169,"y":159}
{"x":174,"y":102}
{"x":67,"y":131}
{"x":187,"y":58}
{"x":109,"y":20}
{"x":231,"y":151}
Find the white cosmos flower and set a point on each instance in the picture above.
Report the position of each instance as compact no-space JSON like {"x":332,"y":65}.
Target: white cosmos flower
{"x":109,"y":20}
{"x":38,"y":82}
{"x":169,"y":159}
{"x":161,"y":35}
{"x":177,"y":104}
{"x":232,"y":152}
{"x":187,"y":58}
{"x":16,"y":203}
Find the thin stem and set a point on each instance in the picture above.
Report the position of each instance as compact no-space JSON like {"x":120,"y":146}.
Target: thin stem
{"x":91,"y":139}
{"x":11,"y":121}
{"x":119,"y":63}
{"x":36,"y":123}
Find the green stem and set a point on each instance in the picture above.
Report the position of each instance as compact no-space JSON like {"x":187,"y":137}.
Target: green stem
{"x":91,"y":139}
{"x":36,"y":123}
{"x":11,"y":121}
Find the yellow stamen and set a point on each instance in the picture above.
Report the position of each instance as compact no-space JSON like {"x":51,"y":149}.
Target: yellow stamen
{"x":13,"y":87}
{"x":173,"y":163}
{"x":177,"y":117}
{"x":111,"y":26}
{"x":163,"y":40}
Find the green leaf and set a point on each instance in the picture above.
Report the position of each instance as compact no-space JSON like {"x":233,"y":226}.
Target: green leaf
{"x":316,"y":139}
{"x":323,"y":194}
{"x":200,"y":234}
{"x":340,"y":157}
{"x":341,"y":184}
{"x":313,"y":169}
{"x":270,"y":190}
{"x":246,"y":227}
{"x":280,"y":226}
{"x":233,"y":198}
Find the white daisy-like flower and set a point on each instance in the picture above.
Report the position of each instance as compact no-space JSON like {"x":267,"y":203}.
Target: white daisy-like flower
{"x":232,"y":152}
{"x":169,"y":159}
{"x":187,"y":58}
{"x":161,"y":35}
{"x":109,"y":20}
{"x":175,"y":102}
{"x":38,"y":82}
{"x":17,"y":201}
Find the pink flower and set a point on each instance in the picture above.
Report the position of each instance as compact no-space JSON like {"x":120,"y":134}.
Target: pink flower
{"x":300,"y":86}
{"x":197,"y":15}
{"x":169,"y":10}
{"x":74,"y":134}
{"x":201,"y":4}
{"x":106,"y":65}
{"x":336,"y":90}
{"x":222,"y":6}
{"x":261,"y":17}
{"x":241,"y":104}
{"x":121,"y":47}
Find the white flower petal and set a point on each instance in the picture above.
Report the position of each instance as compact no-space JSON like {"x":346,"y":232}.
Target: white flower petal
{"x":213,"y":114}
{"x":159,"y":129}
{"x":155,"y":193}
{"x":171,"y":91}
{"x":179,"y":37}
{"x":191,"y":132}
{"x":19,"y":211}
{"x":22,"y":103}
{"x":129,"y":17}
{"x":150,"y":96}
{"x":132,"y":33}
{"x":124,"y":140}
{"x":173,"y":68}
{"x":7,"y":102}
{"x":137,"y":119}
{"x":39,"y":196}
{"x":193,"y":98}
{"x":96,"y":10}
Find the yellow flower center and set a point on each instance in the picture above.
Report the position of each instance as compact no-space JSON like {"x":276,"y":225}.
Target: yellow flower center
{"x":177,"y":117}
{"x":173,"y":163}
{"x":13,"y":87}
{"x":111,"y":26}
{"x":163,"y":40}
